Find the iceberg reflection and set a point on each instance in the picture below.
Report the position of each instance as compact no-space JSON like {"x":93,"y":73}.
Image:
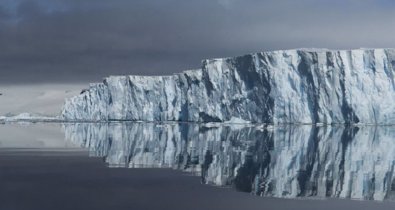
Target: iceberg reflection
{"x":282,"y":161}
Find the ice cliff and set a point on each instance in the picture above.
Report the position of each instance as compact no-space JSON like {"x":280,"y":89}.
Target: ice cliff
{"x":290,"y":86}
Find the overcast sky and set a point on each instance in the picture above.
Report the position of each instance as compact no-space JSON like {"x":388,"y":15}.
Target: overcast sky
{"x":85,"y":40}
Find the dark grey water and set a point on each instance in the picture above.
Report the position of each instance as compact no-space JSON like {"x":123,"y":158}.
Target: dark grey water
{"x":195,"y":166}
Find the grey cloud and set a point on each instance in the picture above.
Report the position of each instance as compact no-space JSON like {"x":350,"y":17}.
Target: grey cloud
{"x":83,"y":41}
{"x":4,"y":14}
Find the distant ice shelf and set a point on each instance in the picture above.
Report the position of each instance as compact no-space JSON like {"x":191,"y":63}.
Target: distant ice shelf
{"x":302,"y":86}
{"x":28,"y":117}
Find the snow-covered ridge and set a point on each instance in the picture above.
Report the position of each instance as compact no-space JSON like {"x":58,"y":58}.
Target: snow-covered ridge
{"x":286,"y":86}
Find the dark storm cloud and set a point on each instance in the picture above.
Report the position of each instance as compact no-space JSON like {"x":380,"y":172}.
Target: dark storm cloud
{"x":74,"y":40}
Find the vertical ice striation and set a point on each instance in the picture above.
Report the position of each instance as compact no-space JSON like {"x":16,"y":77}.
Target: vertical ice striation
{"x":290,"y":86}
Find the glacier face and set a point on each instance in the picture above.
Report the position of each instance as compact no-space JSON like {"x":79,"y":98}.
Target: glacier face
{"x":290,"y":86}
{"x":274,"y":161}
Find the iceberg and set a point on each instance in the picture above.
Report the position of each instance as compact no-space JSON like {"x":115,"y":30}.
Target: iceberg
{"x":301,"y":86}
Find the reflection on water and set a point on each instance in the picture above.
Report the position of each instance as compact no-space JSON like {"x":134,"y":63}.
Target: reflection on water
{"x":289,"y":161}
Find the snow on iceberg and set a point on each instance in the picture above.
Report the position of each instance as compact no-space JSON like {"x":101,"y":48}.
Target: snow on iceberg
{"x":290,"y":86}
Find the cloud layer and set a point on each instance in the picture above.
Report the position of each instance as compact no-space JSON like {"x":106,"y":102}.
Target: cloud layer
{"x":84,"y":41}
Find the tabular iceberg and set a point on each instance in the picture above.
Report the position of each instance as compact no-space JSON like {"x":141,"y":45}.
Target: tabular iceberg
{"x":290,"y":86}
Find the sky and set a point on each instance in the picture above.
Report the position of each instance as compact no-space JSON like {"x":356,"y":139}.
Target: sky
{"x":75,"y":41}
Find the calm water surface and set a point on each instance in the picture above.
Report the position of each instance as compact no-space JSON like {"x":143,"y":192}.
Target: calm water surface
{"x":195,"y":166}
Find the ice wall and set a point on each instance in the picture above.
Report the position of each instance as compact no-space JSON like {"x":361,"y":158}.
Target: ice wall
{"x":290,"y":86}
